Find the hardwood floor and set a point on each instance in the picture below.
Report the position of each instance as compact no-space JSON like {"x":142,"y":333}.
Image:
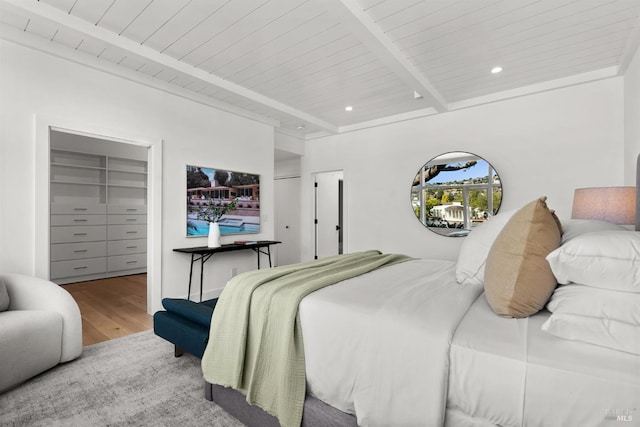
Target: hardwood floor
{"x":112,"y":308}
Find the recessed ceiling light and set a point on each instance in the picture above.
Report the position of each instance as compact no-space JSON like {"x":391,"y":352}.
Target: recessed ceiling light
{"x":301,"y":127}
{"x":348,"y":108}
{"x":496,"y":70}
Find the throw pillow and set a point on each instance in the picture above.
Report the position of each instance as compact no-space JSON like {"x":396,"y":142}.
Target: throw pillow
{"x":475,"y":248}
{"x":4,"y":296}
{"x":518,"y":281}
{"x":603,"y":259}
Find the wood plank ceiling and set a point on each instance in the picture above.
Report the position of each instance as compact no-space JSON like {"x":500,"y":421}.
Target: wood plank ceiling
{"x":298,"y":63}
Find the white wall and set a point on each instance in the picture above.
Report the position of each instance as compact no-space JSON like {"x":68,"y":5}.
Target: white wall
{"x":287,"y":168}
{"x":544,"y":144}
{"x":631,"y":118}
{"x":288,"y":151}
{"x":35,"y":85}
{"x":289,"y":143}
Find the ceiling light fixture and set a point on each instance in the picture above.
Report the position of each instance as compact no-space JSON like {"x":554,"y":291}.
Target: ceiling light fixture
{"x":496,"y":70}
{"x":301,"y":127}
{"x":348,"y":108}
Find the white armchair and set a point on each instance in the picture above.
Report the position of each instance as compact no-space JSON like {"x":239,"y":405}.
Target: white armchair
{"x":40,"y":328}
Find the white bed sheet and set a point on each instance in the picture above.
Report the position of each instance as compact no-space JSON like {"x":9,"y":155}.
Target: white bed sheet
{"x":398,"y":322}
{"x":508,"y":372}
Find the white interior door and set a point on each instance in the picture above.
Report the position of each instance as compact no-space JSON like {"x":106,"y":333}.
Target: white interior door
{"x":328,"y":213}
{"x":287,"y":197}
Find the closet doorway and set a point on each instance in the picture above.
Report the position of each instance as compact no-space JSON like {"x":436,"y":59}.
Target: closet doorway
{"x":44,"y":125}
{"x":98,"y":229}
{"x":98,"y":206}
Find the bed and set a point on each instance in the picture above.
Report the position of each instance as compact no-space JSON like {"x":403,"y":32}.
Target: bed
{"x":418,"y":343}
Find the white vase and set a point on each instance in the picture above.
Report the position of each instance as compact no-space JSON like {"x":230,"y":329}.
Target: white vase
{"x":214,"y":235}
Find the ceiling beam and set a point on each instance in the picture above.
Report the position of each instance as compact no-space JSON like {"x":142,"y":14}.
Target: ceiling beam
{"x":36,"y":42}
{"x":630,"y":48}
{"x":71,"y":22}
{"x":362,"y":26}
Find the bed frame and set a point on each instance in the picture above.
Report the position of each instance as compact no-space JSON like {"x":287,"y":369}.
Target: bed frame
{"x":316,"y":413}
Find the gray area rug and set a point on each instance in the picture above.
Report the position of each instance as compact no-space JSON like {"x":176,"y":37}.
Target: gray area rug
{"x":134,"y":380}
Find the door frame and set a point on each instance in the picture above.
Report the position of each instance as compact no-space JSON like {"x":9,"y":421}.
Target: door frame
{"x":43,"y":126}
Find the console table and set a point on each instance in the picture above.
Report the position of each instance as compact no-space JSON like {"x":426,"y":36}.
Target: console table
{"x":204,"y":253}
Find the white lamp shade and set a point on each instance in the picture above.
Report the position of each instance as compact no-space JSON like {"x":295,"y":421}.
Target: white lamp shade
{"x":612,"y":204}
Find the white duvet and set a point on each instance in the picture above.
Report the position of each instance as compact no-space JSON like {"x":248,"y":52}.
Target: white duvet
{"x":377,"y":345}
{"x":508,"y":372}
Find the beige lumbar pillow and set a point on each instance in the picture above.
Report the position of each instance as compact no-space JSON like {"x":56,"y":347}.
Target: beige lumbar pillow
{"x":518,"y":280}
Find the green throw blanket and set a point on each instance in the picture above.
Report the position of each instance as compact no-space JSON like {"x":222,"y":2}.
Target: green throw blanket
{"x":255,"y":342}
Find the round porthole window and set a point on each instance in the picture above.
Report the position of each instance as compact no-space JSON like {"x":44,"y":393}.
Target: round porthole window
{"x":454,"y":192}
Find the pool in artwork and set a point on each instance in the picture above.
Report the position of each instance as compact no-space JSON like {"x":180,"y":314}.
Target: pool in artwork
{"x":201,"y":228}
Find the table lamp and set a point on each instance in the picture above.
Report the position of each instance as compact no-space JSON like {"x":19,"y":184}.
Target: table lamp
{"x":612,"y":204}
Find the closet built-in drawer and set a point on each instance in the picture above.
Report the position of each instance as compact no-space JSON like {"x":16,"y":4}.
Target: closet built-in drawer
{"x":88,"y":209}
{"x":127,"y":209}
{"x":125,"y":247}
{"x":120,"y":232}
{"x":69,"y":251}
{"x":127,"y":219}
{"x":80,"y":267}
{"x":59,"y":220}
{"x":126,"y":262}
{"x":78,"y":233}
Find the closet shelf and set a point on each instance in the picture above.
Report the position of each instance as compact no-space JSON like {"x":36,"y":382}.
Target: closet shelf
{"x":98,"y":215}
{"x":69,"y":165}
{"x":142,"y":187}
{"x":102,"y":184}
{"x":126,"y":171}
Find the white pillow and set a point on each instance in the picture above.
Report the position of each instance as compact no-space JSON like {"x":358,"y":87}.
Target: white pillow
{"x":603,"y":259}
{"x":572,"y":228}
{"x":475,"y":248}
{"x":595,"y":330}
{"x":593,"y":302}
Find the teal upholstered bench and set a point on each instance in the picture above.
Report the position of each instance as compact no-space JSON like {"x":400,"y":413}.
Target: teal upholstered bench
{"x":185,"y":324}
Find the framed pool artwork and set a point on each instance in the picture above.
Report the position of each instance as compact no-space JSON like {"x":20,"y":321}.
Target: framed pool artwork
{"x":231,"y":198}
